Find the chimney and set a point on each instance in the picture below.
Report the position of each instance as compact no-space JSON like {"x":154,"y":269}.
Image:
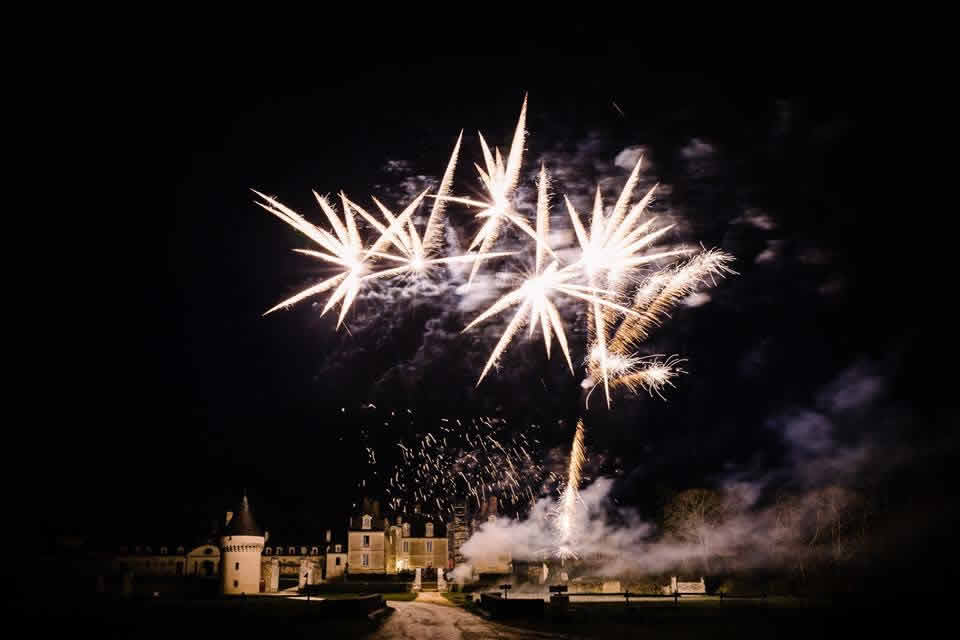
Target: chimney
{"x":266,"y":537}
{"x":229,"y":518}
{"x":376,"y":509}
{"x":328,"y":535}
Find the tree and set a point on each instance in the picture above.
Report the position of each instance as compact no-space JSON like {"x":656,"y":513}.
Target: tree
{"x":691,"y":516}
{"x":824,"y":525}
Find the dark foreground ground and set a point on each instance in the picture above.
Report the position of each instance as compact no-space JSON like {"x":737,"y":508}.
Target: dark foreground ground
{"x":437,"y":617}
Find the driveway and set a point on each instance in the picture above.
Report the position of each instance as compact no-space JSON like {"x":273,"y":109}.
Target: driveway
{"x":432,"y":617}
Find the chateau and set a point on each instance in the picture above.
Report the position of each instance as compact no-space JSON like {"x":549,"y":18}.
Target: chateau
{"x":246,"y":559}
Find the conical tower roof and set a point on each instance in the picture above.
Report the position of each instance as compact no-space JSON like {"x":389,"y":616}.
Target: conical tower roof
{"x":242,"y":523}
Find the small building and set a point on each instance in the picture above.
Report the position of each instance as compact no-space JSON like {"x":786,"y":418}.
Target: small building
{"x":377,"y":545}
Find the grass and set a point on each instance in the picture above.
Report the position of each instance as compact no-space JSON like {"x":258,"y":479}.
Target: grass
{"x":773,"y":617}
{"x":160,"y":618}
{"x":464,"y":600}
{"x":395,"y":597}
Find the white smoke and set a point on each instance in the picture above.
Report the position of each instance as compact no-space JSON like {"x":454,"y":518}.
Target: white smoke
{"x":769,"y":520}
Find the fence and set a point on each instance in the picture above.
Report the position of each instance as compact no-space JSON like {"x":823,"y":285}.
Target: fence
{"x":489,"y":600}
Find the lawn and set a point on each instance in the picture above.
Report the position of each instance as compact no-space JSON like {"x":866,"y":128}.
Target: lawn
{"x":395,"y":597}
{"x":464,"y":600}
{"x":771,"y":618}
{"x":163,"y":618}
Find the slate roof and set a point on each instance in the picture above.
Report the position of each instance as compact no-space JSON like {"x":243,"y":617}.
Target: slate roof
{"x":242,"y":522}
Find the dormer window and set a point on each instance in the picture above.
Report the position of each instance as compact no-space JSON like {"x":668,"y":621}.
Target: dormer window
{"x":492,"y":518}
{"x":149,"y":550}
{"x":292,"y":551}
{"x":429,"y":529}
{"x":313,"y":551}
{"x":406,"y":529}
{"x":267,"y":551}
{"x":367,"y":522}
{"x":303,"y":551}
{"x":336,"y":548}
{"x":163,"y":551}
{"x":180,"y":550}
{"x":136,"y":549}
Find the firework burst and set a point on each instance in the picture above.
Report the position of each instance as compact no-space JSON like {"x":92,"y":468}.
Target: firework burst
{"x":500,"y":181}
{"x":613,"y":357}
{"x":417,"y":254}
{"x":610,"y":251}
{"x":344,"y":249}
{"x":533,"y":296}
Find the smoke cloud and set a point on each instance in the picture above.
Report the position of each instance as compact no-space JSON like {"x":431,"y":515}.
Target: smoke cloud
{"x":810,"y":510}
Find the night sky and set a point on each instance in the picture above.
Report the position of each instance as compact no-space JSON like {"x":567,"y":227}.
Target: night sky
{"x":177,"y":394}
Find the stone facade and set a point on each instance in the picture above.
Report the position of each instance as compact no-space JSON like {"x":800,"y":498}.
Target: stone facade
{"x":241,"y":564}
{"x":244,"y":559}
{"x":377,"y":545}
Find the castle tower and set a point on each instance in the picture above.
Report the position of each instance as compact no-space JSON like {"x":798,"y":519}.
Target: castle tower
{"x":240,"y":549}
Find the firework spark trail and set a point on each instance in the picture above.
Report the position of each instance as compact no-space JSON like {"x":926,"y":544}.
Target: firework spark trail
{"x":614,"y":359}
{"x":479,"y":459}
{"x":567,"y":506}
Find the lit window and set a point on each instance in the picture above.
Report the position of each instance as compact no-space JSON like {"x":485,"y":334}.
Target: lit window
{"x":367,"y":522}
{"x":303,"y":551}
{"x":365,"y":560}
{"x":406,"y":530}
{"x":337,"y":548}
{"x":429,"y":546}
{"x":429,"y":529}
